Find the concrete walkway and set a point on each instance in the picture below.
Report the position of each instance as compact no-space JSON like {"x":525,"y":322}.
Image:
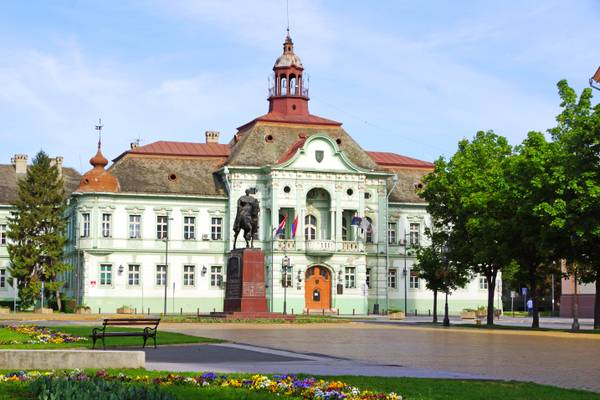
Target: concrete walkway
{"x":231,"y":357}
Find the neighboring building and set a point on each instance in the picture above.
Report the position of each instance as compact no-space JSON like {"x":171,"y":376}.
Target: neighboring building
{"x":9,"y":176}
{"x":586,"y":295}
{"x":300,"y":166}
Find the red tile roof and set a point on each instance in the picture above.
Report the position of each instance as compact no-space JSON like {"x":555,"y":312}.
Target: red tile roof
{"x":396,"y":160}
{"x":183,"y":149}
{"x":293,"y":119}
{"x":289,"y":153}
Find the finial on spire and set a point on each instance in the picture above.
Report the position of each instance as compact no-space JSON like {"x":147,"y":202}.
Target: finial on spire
{"x":99,"y":129}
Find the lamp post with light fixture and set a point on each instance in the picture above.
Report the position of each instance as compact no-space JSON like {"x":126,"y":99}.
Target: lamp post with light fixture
{"x":166,"y":240}
{"x":285,"y":265}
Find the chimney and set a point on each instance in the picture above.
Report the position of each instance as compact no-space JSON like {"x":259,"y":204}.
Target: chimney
{"x":19,"y":161}
{"x":212,"y":136}
{"x":58,"y":161}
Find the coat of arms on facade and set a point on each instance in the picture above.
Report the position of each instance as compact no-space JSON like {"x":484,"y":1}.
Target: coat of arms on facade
{"x":319,"y":154}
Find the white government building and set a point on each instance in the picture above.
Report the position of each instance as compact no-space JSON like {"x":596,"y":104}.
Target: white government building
{"x":298,"y":165}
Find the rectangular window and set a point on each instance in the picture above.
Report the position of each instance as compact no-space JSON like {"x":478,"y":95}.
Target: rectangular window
{"x":189,"y":228}
{"x":133,"y":275}
{"x":286,"y":278}
{"x":368,"y":282}
{"x":85,"y":225}
{"x":415,"y":233}
{"x":3,"y":234}
{"x":350,"y":277}
{"x":161,"y":275}
{"x":135,"y":226}
{"x":3,"y":278}
{"x":392,"y":233}
{"x":414,"y":281}
{"x":216,"y":276}
{"x":105,"y":274}
{"x":162,"y":223}
{"x":189,"y":275}
{"x":391,"y":278}
{"x":106,"y":225}
{"x":483,"y":285}
{"x":216,"y":228}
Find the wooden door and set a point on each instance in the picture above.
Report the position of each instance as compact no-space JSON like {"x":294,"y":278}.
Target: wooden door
{"x":317,"y":293}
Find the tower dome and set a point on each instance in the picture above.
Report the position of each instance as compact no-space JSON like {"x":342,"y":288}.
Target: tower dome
{"x":98,"y":179}
{"x":288,"y":93}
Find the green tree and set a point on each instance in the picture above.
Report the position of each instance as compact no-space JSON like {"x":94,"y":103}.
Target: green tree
{"x":36,"y":232}
{"x":575,"y":210}
{"x":533,"y":243}
{"x":432,"y":266}
{"x":466,"y":194}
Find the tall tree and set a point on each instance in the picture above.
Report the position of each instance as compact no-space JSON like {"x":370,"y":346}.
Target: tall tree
{"x":576,"y":207}
{"x":465,"y":194}
{"x":36,"y":229}
{"x":533,"y":243}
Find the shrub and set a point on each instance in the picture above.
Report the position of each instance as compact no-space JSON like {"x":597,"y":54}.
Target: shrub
{"x":48,"y":388}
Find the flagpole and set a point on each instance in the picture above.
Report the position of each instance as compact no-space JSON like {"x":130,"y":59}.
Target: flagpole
{"x":272,"y":264}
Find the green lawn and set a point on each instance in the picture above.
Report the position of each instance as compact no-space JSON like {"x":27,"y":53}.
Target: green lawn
{"x":162,"y":338}
{"x":409,"y":388}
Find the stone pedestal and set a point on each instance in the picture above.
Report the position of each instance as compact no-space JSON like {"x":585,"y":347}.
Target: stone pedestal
{"x":245,"y":286}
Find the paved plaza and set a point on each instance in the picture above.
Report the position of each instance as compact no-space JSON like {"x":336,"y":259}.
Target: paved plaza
{"x":553,"y":358}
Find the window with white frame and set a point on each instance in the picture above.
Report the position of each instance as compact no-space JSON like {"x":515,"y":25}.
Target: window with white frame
{"x":161,"y":275}
{"x":216,"y":276}
{"x":368,"y":278}
{"x":392,"y":233}
{"x":310,"y":227}
{"x":286,"y":278}
{"x":414,"y":234}
{"x":133,"y":275}
{"x":135,"y":226}
{"x":189,"y":275}
{"x":105,"y":274}
{"x":391,"y":278}
{"x":85,"y":225}
{"x":3,"y":234}
{"x":2,"y":278}
{"x":162,"y":224}
{"x":106,"y":228}
{"x":344,"y":229}
{"x":369,"y":234}
{"x":350,"y":277}
{"x":189,"y":228}
{"x":483,"y":284}
{"x":216,"y":228}
{"x":414,"y":281}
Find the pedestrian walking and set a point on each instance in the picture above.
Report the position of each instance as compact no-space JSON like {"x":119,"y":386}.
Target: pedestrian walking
{"x":530,"y":307}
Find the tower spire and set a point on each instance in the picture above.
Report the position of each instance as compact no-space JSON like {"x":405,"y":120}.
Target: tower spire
{"x":99,"y":129}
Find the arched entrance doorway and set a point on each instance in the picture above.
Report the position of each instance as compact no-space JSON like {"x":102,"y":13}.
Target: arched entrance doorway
{"x":317,"y":291}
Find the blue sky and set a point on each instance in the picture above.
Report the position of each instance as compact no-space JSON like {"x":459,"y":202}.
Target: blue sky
{"x":404,"y":76}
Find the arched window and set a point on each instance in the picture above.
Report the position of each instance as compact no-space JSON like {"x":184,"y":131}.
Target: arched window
{"x":283,"y":80}
{"x":369,"y":234}
{"x":310,"y":227}
{"x":293,"y":85}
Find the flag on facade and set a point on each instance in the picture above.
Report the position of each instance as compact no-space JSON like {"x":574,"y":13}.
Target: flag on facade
{"x":365,"y":225}
{"x":356,"y":221}
{"x":281,"y":227}
{"x":294,"y":227}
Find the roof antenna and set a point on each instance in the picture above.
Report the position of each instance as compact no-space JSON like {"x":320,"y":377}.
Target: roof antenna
{"x":287,"y":8}
{"x":99,"y":129}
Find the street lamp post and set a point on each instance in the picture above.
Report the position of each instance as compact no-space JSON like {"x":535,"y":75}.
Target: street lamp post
{"x":285,"y":264}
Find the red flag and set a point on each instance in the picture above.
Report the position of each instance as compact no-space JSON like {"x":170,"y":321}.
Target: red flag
{"x":294,"y":227}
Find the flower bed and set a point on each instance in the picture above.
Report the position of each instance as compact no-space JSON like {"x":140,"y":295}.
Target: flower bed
{"x":278,"y":385}
{"x":39,"y":335}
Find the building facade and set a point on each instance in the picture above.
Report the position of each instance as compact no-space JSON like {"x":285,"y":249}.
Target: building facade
{"x":160,"y":217}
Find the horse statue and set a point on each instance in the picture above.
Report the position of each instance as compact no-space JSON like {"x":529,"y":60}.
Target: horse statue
{"x":246,"y":219}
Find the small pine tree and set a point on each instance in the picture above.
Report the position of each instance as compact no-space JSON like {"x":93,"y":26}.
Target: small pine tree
{"x":36,"y":230}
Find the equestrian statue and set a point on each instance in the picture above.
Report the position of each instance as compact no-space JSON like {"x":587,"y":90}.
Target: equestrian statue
{"x":246,"y":219}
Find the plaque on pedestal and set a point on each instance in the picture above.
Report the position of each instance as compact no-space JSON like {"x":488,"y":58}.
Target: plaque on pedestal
{"x":245,"y":285}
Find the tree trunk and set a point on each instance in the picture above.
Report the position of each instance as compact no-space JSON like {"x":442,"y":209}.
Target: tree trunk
{"x":597,"y":302}
{"x":435,"y":320}
{"x":58,"y":302}
{"x":535,"y":323}
{"x":491,"y":281}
